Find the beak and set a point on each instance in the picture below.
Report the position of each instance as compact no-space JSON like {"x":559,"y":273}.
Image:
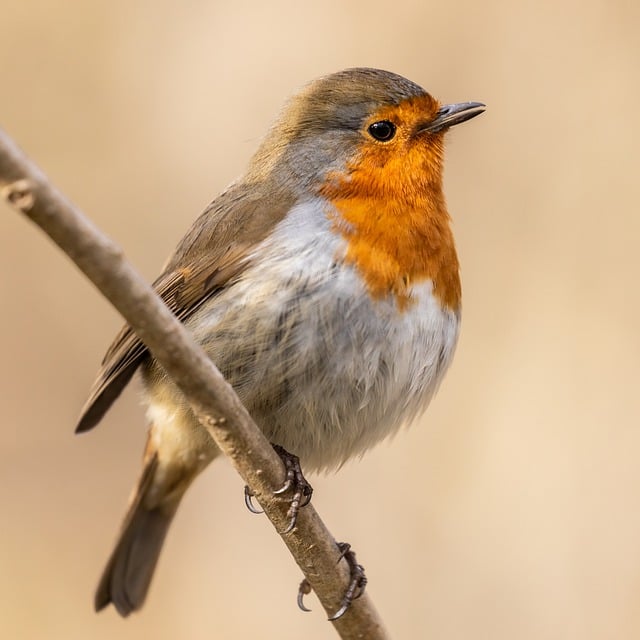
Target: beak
{"x":451,"y":114}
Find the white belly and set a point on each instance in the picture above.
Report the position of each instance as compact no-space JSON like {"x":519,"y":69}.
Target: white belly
{"x":323,"y":369}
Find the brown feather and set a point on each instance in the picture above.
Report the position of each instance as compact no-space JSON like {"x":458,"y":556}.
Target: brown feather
{"x":212,"y":255}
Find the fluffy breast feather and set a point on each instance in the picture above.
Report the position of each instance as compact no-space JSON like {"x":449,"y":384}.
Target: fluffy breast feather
{"x":324,"y":370}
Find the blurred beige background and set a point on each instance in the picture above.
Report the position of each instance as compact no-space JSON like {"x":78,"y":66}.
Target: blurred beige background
{"x":512,"y":511}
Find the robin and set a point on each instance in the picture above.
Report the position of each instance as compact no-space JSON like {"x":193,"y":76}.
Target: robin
{"x":324,"y":284}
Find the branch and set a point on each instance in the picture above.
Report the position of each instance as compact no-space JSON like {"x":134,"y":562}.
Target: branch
{"x":212,"y":399}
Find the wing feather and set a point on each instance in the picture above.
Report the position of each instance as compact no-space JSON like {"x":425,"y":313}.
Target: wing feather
{"x":212,"y":255}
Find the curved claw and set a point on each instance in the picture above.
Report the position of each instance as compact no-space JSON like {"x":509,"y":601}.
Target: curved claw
{"x":303,"y":590}
{"x":292,"y":523}
{"x":294,"y":481}
{"x":357,"y":582}
{"x":340,"y":612}
{"x":285,"y":487}
{"x":307,"y":495}
{"x":249,"y":502}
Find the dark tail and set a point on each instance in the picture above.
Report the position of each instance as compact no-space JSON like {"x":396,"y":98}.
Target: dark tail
{"x":128,"y":573}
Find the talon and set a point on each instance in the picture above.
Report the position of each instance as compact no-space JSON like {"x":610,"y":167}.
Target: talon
{"x":339,"y":613}
{"x":307,"y":492}
{"x":294,"y":479}
{"x":357,"y":582}
{"x":292,"y":522}
{"x":290,"y":462}
{"x":303,"y":590}
{"x":285,"y":486}
{"x":249,"y":502}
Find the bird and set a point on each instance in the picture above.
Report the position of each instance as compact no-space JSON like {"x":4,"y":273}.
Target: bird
{"x":324,"y":284}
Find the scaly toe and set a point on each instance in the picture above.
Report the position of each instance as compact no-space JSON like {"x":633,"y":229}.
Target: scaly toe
{"x":357,"y":583}
{"x":294,"y":480}
{"x":356,"y":587}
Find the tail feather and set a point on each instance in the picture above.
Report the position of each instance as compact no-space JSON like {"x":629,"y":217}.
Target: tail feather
{"x":127,"y":576}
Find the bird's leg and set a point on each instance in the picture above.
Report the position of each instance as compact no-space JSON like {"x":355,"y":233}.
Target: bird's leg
{"x":295,"y":480}
{"x":357,"y":582}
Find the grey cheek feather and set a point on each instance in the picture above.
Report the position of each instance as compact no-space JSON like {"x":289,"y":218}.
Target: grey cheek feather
{"x":323,"y":369}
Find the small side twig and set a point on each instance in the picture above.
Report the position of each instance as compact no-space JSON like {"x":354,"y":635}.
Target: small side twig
{"x":213,"y":400}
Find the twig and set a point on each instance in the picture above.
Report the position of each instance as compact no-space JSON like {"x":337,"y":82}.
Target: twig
{"x":212,"y":399}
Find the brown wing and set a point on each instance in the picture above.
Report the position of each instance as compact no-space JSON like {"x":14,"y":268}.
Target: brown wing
{"x":212,"y":255}
{"x":183,"y":291}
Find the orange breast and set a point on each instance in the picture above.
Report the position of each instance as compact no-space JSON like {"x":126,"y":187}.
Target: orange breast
{"x":390,"y":208}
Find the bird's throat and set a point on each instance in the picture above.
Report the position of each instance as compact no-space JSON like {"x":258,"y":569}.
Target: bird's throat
{"x":398,"y":234}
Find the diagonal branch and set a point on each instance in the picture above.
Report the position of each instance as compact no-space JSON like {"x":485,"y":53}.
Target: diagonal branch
{"x":212,"y":399}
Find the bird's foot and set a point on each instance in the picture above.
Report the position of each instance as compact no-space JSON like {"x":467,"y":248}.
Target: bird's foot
{"x":294,"y":480}
{"x":356,"y":587}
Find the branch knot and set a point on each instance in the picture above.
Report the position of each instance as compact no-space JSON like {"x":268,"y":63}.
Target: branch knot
{"x":20,"y":195}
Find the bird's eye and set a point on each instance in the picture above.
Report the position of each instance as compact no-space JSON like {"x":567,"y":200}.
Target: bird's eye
{"x":383,"y":130}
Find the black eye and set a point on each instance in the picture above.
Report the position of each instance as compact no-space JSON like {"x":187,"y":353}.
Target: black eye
{"x":383,"y":130}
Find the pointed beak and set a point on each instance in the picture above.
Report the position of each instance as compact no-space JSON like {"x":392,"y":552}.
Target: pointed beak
{"x":452,"y":114}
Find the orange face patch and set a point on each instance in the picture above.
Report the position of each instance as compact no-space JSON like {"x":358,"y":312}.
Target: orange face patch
{"x":391,"y":208}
